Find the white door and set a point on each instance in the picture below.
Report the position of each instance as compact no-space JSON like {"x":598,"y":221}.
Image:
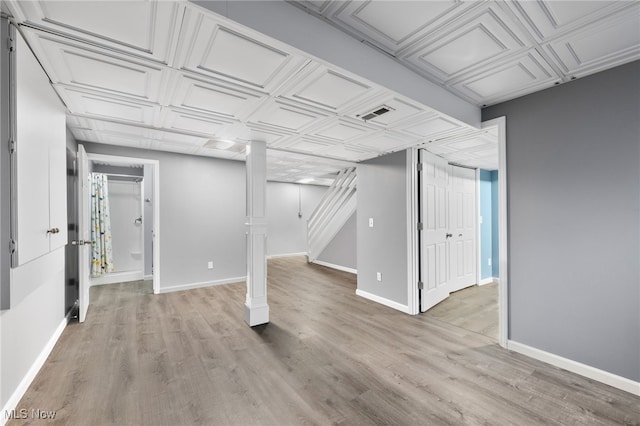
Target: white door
{"x":84,"y":235}
{"x":434,"y":262}
{"x":463,"y":228}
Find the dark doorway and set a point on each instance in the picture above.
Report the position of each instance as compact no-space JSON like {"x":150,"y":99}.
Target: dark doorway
{"x":71,"y":250}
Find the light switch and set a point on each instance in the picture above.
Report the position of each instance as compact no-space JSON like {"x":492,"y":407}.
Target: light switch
{"x":379,"y":276}
{"x":370,"y":222}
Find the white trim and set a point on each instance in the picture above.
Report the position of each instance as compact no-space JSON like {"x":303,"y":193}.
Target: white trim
{"x":334,"y":266}
{"x":413,"y":259}
{"x":390,"y":303}
{"x":276,"y":256}
{"x":478,"y":231}
{"x":605,"y":377}
{"x":201,"y":284}
{"x":117,"y":277}
{"x":503,"y":287}
{"x":147,"y":277}
{"x":26,"y":381}
{"x":489,"y":280}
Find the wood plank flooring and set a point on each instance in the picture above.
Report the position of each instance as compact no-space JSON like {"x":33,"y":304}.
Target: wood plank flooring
{"x":474,"y":308}
{"x":327,"y":357}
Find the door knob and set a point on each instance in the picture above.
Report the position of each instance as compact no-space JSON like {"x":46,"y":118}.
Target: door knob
{"x":449,"y":235}
{"x":80,"y":242}
{"x":53,"y":231}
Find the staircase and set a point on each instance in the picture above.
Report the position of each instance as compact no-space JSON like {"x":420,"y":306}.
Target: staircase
{"x":335,"y":208}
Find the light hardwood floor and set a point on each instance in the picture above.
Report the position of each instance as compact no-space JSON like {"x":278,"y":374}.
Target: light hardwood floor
{"x":327,"y":357}
{"x":474,"y":308}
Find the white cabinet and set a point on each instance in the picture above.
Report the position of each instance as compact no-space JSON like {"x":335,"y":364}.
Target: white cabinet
{"x":39,"y":206}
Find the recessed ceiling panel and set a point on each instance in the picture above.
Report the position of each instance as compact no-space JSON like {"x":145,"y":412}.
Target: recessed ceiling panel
{"x":307,"y":145}
{"x":105,"y":107}
{"x":350,"y":153}
{"x":486,"y":35}
{"x":605,"y":45}
{"x":286,"y":116}
{"x":343,"y":130}
{"x":385,"y":141}
{"x":215,"y":49}
{"x":189,"y":122}
{"x":431,"y":128}
{"x":142,"y":28}
{"x":70,"y":64}
{"x":215,"y":97}
{"x":523,"y":75}
{"x":392,"y":24}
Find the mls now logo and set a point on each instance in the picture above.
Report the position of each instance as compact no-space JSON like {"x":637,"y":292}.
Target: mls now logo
{"x":34,"y":414}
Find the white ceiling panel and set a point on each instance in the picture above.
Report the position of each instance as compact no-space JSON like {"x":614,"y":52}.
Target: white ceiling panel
{"x":286,"y":116}
{"x":308,"y":146}
{"x":603,"y":45}
{"x":350,"y":153}
{"x":430,"y":128}
{"x":142,"y":28}
{"x":213,"y":47}
{"x":517,"y":77}
{"x":107,"y":107}
{"x":480,"y":38}
{"x":385,"y":141}
{"x":190,"y":122}
{"x":322,"y":87}
{"x":68,"y":63}
{"x":215,"y":97}
{"x":342,"y":130}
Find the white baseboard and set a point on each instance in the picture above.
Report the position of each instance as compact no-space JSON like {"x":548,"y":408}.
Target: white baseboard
{"x":147,"y":277}
{"x":275,"y":256}
{"x":26,"y":381}
{"x":489,"y":280}
{"x":577,"y":367}
{"x":117,"y":277}
{"x":334,"y":266}
{"x":201,"y":284}
{"x":390,"y":303}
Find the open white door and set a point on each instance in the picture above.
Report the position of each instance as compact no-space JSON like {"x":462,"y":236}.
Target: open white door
{"x":462,"y":226}
{"x":84,"y":236}
{"x":434,"y":198}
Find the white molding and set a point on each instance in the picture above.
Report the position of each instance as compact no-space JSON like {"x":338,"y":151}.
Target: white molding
{"x":334,"y":266}
{"x":26,"y":381}
{"x":117,"y":277}
{"x":147,"y":277}
{"x":413,"y":260}
{"x":201,"y":284}
{"x":390,"y":303}
{"x":503,"y":259}
{"x":602,"y":376}
{"x":489,"y":280}
{"x":277,"y":256}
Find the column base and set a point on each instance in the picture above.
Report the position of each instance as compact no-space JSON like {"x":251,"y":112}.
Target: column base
{"x":256,"y":315}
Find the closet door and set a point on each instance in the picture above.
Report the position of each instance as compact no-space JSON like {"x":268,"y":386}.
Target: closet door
{"x":39,"y":211}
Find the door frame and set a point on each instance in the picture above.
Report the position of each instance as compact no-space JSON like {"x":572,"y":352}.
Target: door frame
{"x":503,"y":259}
{"x":130,"y":161}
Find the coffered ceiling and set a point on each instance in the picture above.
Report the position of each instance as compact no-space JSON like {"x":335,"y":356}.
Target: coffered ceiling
{"x":173,"y":76}
{"x":492,"y":51}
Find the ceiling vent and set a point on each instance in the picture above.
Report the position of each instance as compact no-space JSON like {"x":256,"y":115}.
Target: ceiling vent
{"x":383,"y":109}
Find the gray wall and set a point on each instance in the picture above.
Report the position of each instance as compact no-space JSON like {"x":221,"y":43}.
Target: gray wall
{"x":202,"y":215}
{"x":342,"y":250}
{"x":573,"y":162}
{"x":286,"y":232}
{"x":382,"y":195}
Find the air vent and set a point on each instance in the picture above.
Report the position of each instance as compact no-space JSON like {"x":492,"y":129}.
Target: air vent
{"x":383,"y":109}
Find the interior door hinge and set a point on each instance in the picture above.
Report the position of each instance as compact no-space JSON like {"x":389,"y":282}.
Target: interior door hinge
{"x":12,"y":246}
{"x":420,"y":285}
{"x":420,"y":226}
{"x":11,"y":44}
{"x":419,"y":167}
{"x":12,"y":146}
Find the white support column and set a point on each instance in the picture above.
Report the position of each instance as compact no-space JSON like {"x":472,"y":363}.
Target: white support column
{"x":256,"y":309}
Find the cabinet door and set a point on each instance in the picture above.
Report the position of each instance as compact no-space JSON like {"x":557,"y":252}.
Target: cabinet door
{"x":40,"y":159}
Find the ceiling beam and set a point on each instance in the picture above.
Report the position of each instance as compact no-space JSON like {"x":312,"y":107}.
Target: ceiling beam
{"x":295,"y":27}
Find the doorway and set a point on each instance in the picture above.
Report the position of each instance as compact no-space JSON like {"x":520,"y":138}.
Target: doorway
{"x":71,"y":249}
{"x":442,"y":263}
{"x":144,"y":188}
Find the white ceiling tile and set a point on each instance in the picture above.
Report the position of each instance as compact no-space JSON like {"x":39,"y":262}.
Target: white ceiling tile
{"x":384,"y":141}
{"x":68,"y":63}
{"x":190,"y":122}
{"x":142,"y":28}
{"x":286,"y":116}
{"x":107,"y":107}
{"x":604,"y":45}
{"x":342,"y":130}
{"x":308,"y":146}
{"x":350,"y":153}
{"x":430,"y":128}
{"x":214,"y":48}
{"x":215,"y":97}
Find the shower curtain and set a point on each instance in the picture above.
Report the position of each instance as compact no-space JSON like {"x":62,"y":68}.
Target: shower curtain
{"x":101,"y":254}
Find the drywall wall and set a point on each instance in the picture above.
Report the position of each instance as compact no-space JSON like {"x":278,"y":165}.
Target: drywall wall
{"x":382,"y":196}
{"x":486,"y":227}
{"x":573,"y":164}
{"x":495,"y":225}
{"x":342,"y":250}
{"x":202,"y":216}
{"x":286,"y":231}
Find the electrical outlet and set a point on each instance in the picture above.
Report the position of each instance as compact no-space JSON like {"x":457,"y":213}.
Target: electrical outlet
{"x":370,"y":222}
{"x":379,"y":276}
{"x":489,"y":262}
{"x":210,"y":264}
